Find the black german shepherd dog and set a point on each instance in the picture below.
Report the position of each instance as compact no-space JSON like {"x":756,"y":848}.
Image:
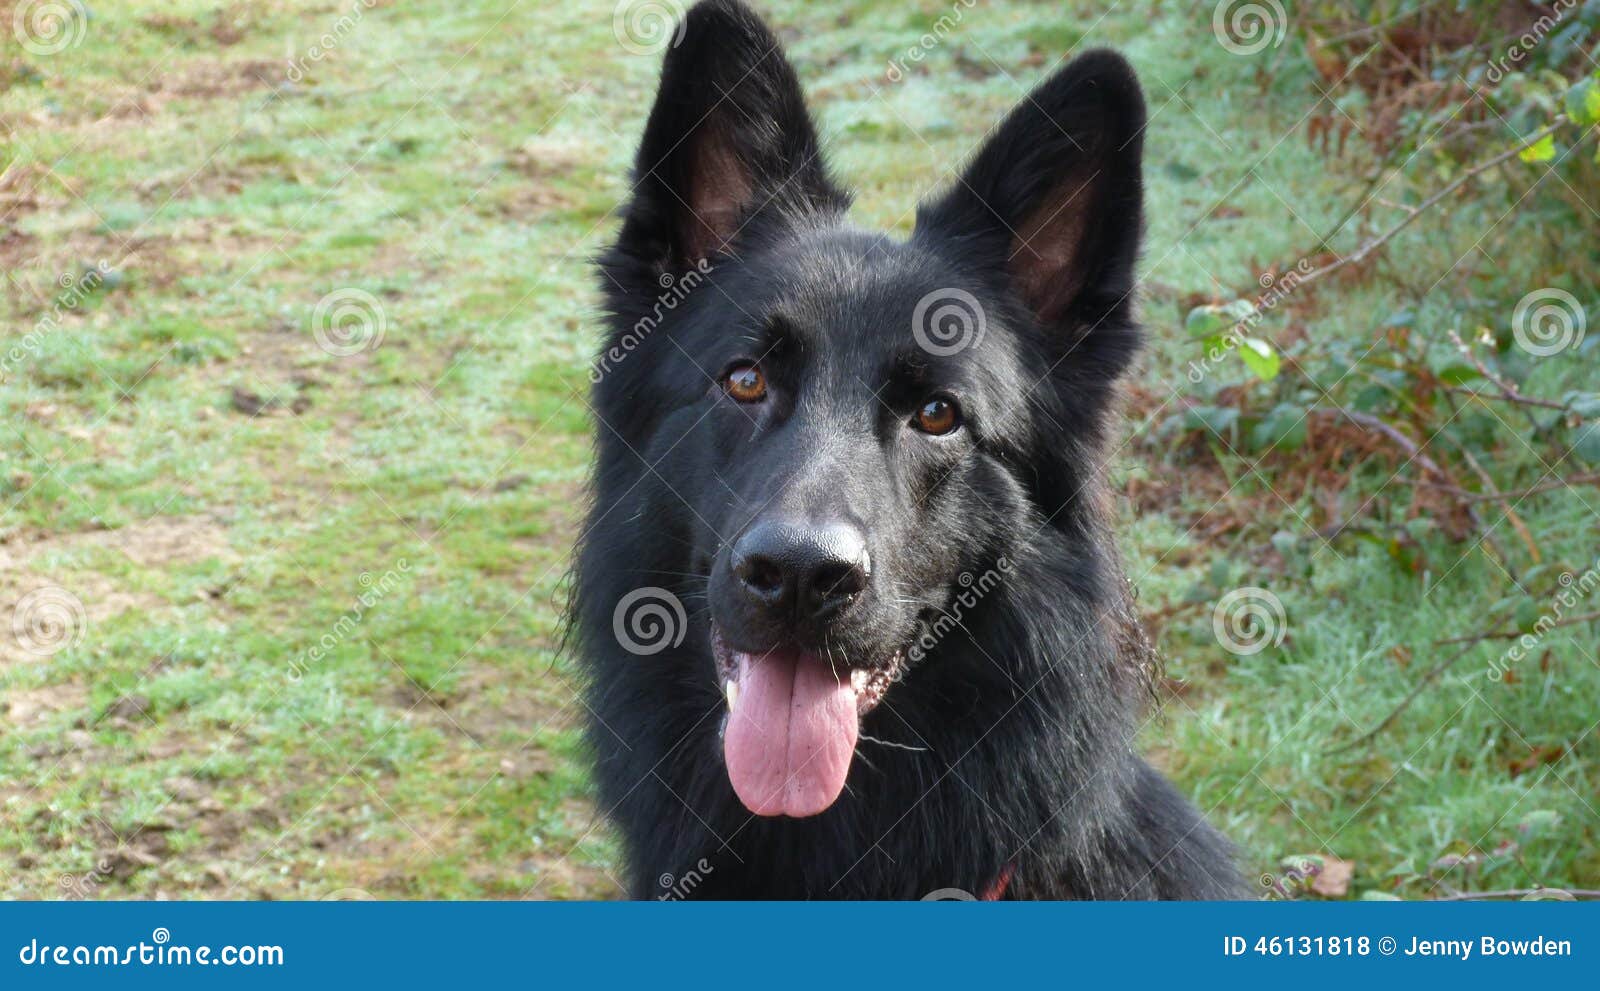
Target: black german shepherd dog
{"x":849,"y":491}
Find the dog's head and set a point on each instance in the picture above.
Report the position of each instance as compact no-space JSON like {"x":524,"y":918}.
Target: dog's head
{"x":832,"y":433}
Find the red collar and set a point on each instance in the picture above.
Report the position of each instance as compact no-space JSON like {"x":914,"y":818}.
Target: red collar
{"x":997,"y":890}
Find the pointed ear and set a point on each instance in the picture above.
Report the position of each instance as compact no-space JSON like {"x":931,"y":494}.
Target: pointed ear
{"x":728,"y":138}
{"x":1055,"y":198}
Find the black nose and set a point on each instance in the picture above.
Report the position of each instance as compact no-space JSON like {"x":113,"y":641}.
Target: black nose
{"x":806,"y":570}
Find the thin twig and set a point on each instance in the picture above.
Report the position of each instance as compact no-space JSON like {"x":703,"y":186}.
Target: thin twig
{"x":1513,"y":634}
{"x":1367,"y":30}
{"x":1508,"y":391}
{"x":1413,"y":451}
{"x":1368,"y":422}
{"x":1517,"y":398}
{"x":1478,"y":896}
{"x":1366,"y":249}
{"x":1361,"y":253}
{"x":1550,"y":486}
{"x":1405,"y":703}
{"x":1511,"y":514}
{"x":1433,"y":673}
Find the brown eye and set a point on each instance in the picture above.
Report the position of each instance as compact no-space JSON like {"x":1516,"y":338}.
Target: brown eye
{"x":746,"y":384}
{"x":938,"y":416}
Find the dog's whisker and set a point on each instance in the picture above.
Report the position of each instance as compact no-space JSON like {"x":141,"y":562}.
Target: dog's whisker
{"x":893,"y":744}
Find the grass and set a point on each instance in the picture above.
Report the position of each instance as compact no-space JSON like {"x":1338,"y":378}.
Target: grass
{"x":313,"y":652}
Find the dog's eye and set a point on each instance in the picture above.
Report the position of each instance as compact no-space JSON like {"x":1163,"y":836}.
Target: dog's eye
{"x":938,"y":416}
{"x":746,"y":384}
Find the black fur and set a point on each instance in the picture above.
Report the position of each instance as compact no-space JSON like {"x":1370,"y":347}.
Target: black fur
{"x":1006,"y":747}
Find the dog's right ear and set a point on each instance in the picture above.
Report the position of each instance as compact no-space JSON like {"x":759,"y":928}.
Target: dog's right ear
{"x":1054,"y":198}
{"x":729,"y":138}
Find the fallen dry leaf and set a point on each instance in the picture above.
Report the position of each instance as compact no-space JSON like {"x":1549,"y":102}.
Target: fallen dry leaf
{"x":1333,"y":881}
{"x":1539,"y":757}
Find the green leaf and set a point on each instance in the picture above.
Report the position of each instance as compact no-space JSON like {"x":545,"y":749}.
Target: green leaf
{"x":1585,"y":404}
{"x":1304,"y":863}
{"x":1379,"y":896}
{"x":1211,"y":320}
{"x":1504,"y":603}
{"x":1543,"y":150}
{"x":1583,"y":102}
{"x":1458,"y":374}
{"x":1239,"y":309}
{"x":1206,"y":321}
{"x":1586,"y":441}
{"x":1527,"y":615}
{"x":1216,"y":419}
{"x":1373,"y":397}
{"x":1538,"y":571}
{"x":1260,"y":357}
{"x":1283,"y":429}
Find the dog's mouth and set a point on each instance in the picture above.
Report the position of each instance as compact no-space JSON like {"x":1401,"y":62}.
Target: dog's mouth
{"x":793,"y":721}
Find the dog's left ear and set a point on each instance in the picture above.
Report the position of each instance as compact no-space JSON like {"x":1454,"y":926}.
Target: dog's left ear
{"x":1055,"y":200}
{"x":729,"y":138}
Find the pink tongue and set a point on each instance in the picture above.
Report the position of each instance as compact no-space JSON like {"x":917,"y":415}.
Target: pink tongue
{"x":791,"y":734}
